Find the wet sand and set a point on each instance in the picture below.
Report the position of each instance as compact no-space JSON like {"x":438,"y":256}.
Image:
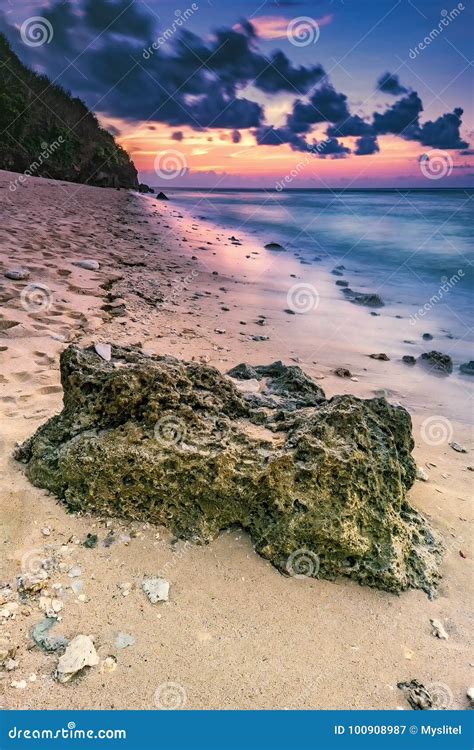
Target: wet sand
{"x":235,"y":633}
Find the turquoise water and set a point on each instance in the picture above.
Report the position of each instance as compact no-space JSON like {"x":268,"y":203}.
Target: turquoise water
{"x":407,"y":246}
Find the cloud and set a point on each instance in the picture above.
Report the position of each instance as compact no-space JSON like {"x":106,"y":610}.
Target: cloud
{"x":333,"y":148}
{"x":443,"y":133}
{"x":401,"y":117}
{"x":352,"y":125}
{"x":325,"y":105}
{"x":276,"y":27}
{"x":236,"y":137}
{"x":389,"y":83}
{"x":366,"y":145}
{"x":177,"y":135}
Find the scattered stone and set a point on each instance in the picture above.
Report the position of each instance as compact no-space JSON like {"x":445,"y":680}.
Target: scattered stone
{"x":219,"y":330}
{"x":417,"y":695}
{"x":32,"y":583}
{"x":18,"y":684}
{"x":438,"y":361}
{"x":275,"y":246}
{"x":342,"y":372}
{"x":409,"y":359}
{"x":341,"y":282}
{"x":162,"y":197}
{"x":79,"y":654}
{"x":467,"y":368}
{"x":40,"y":635}
{"x":421,"y":474}
{"x":260,"y":338}
{"x":46,"y":531}
{"x":17,"y":274}
{"x":336,"y":272}
{"x":87,"y":264}
{"x":104,"y":351}
{"x":91,"y":541}
{"x":290,"y":494}
{"x":123,"y":640}
{"x":368,"y":300}
{"x":438,"y":629}
{"x":74,"y":572}
{"x":458,"y":448}
{"x":125,"y":588}
{"x":427,"y":337}
{"x":382,"y":357}
{"x":156,"y":589}
{"x":289,"y":311}
{"x":108,"y":665}
{"x":243,"y":372}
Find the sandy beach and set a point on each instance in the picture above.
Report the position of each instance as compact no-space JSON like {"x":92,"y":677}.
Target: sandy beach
{"x":235,"y":632}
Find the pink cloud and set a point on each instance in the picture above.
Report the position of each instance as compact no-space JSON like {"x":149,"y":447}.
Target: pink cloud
{"x":275,"y":27}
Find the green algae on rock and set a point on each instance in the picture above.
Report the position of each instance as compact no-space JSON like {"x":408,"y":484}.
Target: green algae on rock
{"x":320,"y":485}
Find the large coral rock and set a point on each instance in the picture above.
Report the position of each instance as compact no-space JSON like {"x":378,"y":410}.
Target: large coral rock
{"x":319,"y":484}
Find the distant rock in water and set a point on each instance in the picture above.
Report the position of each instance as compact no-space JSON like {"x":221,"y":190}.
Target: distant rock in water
{"x":58,"y":136}
{"x":142,"y":188}
{"x":467,"y":368}
{"x":427,"y":337}
{"x":319,"y":485}
{"x":438,"y":361}
{"x":162,"y":197}
{"x":275,"y":246}
{"x":368,"y":300}
{"x":409,"y":359}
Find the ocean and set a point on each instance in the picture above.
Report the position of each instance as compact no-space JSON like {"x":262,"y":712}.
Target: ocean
{"x":412,"y":247}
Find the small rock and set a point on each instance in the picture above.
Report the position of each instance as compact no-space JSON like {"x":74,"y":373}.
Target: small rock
{"x":342,"y":372}
{"x":467,"y":368}
{"x":219,"y":330}
{"x":421,"y":474}
{"x":427,"y":337}
{"x":408,"y":359}
{"x":438,"y":629}
{"x":17,"y":274}
{"x":438,"y":361}
{"x":31,"y":584}
{"x":104,"y":351}
{"x":289,"y":311}
{"x":74,"y":572}
{"x":458,"y":448}
{"x":125,"y":588}
{"x":42,"y":639}
{"x":162,"y":197}
{"x":90,"y":541}
{"x":108,"y":665}
{"x":260,"y":338}
{"x":382,"y":357}
{"x":18,"y":684}
{"x":46,"y":531}
{"x":275,"y":246}
{"x":156,"y":589}
{"x":79,"y":654}
{"x":123,"y":640}
{"x":87,"y":264}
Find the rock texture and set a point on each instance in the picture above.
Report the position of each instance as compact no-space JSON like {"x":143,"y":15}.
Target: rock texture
{"x":179,"y":444}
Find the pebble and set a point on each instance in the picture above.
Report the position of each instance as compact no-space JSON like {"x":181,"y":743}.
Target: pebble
{"x":88,"y":264}
{"x":156,"y":589}
{"x":46,"y":531}
{"x":104,"y":351}
{"x":79,"y":654}
{"x":123,"y":640}
{"x":109,"y":664}
{"x":74,"y":572}
{"x":438,"y":629}
{"x":125,"y":588}
{"x":421,"y":474}
{"x":17,"y":274}
{"x":18,"y":684}
{"x":458,"y":448}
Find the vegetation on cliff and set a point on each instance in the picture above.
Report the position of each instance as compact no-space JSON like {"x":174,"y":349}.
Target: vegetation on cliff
{"x":46,"y":132}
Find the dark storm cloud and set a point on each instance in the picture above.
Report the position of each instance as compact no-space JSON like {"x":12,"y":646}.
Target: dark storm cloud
{"x":401,"y":117}
{"x":352,"y":125}
{"x":118,"y":17}
{"x":325,"y":105}
{"x":236,"y":137}
{"x":366,"y":145}
{"x":333,"y":148}
{"x":267,"y":135}
{"x":177,"y":135}
{"x":389,"y":83}
{"x":443,"y":133}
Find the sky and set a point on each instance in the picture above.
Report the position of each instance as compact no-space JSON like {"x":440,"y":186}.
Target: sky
{"x":278,"y":94}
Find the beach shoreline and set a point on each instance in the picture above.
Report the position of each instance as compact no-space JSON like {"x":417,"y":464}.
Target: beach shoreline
{"x":235,"y":634}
